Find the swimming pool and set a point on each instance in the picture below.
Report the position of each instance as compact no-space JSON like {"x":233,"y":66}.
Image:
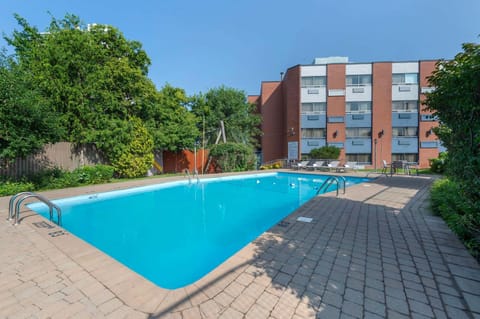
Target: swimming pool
{"x":175,"y":233}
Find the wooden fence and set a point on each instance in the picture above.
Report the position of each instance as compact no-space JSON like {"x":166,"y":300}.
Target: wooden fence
{"x":63,"y":155}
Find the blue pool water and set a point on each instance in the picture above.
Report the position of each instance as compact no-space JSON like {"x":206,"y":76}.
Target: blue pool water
{"x":175,"y":233}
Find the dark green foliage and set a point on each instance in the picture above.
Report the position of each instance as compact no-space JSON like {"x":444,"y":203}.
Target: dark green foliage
{"x":437,"y":165}
{"x":95,"y":80}
{"x":171,"y":124}
{"x":94,"y":174}
{"x":136,"y":155}
{"x":56,"y":178}
{"x":461,"y":215}
{"x":230,"y":106}
{"x":26,"y":122}
{"x":456,"y":102}
{"x":325,"y":152}
{"x":233,"y":157}
{"x":11,"y":188}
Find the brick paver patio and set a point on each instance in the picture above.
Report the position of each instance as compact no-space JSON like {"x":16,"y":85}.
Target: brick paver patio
{"x":375,"y":252}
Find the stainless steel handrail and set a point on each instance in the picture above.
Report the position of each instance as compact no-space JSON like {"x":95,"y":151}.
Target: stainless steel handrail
{"x":15,"y":213}
{"x":195,"y":173}
{"x":187,"y":174}
{"x":329,"y":181}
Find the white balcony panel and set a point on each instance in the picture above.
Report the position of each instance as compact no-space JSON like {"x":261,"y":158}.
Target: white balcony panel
{"x":336,"y":92}
{"x":353,"y":69}
{"x":399,"y":93}
{"x":313,"y":70}
{"x":313,"y":94}
{"x":354,"y":94}
{"x":405,"y":67}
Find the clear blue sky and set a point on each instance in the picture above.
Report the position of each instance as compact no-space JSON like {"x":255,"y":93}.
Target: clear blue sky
{"x":198,"y":45}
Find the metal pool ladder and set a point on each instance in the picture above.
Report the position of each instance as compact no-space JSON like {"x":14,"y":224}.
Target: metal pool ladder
{"x":333,"y":179}
{"x":194,"y":173}
{"x":14,"y":208}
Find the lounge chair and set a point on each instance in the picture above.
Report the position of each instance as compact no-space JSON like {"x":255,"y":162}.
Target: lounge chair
{"x":317,"y":165}
{"x":333,"y":165}
{"x":300,"y":165}
{"x":350,"y":166}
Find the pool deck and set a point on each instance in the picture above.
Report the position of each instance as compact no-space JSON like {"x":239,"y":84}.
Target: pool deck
{"x":374,"y":252}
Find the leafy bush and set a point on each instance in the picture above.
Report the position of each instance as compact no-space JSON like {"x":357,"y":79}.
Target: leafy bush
{"x":136,"y":157}
{"x":461,"y":215}
{"x":325,"y":152}
{"x":12,"y":188}
{"x":93,"y":174}
{"x":233,"y":157}
{"x":438,"y":165}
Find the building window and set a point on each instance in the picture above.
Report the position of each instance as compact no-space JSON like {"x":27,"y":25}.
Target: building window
{"x":359,"y":158}
{"x":359,"y":80}
{"x":429,"y":118}
{"x":313,"y":108}
{"x":405,"y":106}
{"x":313,"y":133}
{"x":405,"y":131}
{"x":405,"y":78}
{"x":313,"y":81}
{"x":358,"y":107}
{"x":411,"y":158}
{"x":359,"y":132}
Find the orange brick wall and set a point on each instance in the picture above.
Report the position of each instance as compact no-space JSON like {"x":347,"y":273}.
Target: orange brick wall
{"x":291,"y":97}
{"x":336,"y":104}
{"x":273,"y":126}
{"x":381,"y":112}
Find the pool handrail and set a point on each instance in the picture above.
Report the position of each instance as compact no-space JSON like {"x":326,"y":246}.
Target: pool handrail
{"x":329,"y":181}
{"x":15,"y":213}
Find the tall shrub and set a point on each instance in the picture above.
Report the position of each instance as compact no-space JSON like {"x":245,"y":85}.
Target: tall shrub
{"x":136,"y":156}
{"x":231,"y":157}
{"x":325,"y":152}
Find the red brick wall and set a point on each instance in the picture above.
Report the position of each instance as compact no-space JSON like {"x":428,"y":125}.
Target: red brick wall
{"x":291,"y":98}
{"x":273,"y":127}
{"x":382,"y":112}
{"x":336,"y":104}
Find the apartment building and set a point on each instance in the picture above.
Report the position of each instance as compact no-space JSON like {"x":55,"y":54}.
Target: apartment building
{"x":371,"y":111}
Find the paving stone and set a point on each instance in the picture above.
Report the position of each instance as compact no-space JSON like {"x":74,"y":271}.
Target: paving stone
{"x":267,"y":300}
{"x":257,"y":312}
{"x":354,"y":296}
{"x":456,"y":313}
{"x":452,"y":301}
{"x":397,"y":305}
{"x":231,"y":313}
{"x":420,"y":308}
{"x":473,"y":302}
{"x":328,"y":312}
{"x":352,"y":309}
{"x":375,"y":307}
{"x":332,"y":298}
{"x":243,"y":303}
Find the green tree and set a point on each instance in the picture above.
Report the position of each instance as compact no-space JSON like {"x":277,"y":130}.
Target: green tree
{"x":456,"y":103}
{"x":135,"y":156}
{"x":169,"y":121}
{"x":26,"y":123}
{"x":325,"y":152}
{"x":93,"y":78}
{"x":230,"y":106}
